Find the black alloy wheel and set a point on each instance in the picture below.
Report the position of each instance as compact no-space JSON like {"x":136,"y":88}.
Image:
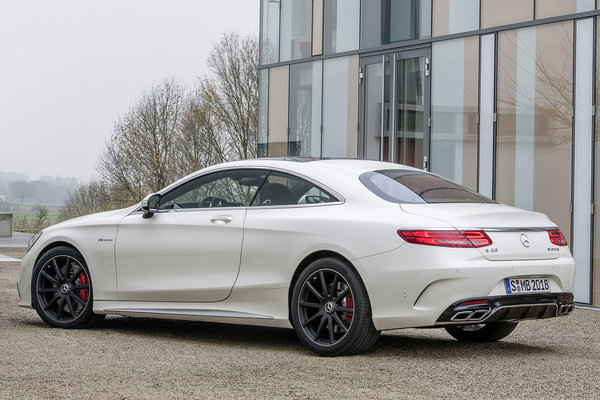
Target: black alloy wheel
{"x":481,"y":333}
{"x":330,"y":309}
{"x":62,"y":290}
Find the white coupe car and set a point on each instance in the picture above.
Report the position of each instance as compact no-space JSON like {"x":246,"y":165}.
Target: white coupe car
{"x":337,"y":249}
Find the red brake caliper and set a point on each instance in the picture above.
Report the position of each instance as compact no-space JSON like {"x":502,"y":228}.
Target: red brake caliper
{"x":349,"y":304}
{"x":83,"y":293}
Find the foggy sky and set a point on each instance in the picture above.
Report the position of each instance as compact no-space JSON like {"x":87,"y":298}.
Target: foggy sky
{"x":68,"y":69}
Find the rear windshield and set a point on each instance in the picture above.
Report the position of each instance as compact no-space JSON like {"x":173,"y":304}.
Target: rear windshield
{"x":413,"y":187}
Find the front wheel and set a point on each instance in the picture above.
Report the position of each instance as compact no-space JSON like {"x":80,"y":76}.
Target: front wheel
{"x":481,"y":333}
{"x":62,"y":289}
{"x":330,"y":309}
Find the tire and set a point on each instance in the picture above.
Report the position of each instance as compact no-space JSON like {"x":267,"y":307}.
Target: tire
{"x":61,"y":289}
{"x":330,"y":309}
{"x":482,"y":333}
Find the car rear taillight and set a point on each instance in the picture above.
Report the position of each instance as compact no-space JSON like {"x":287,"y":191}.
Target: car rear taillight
{"x":557,"y":238}
{"x":447,"y":238}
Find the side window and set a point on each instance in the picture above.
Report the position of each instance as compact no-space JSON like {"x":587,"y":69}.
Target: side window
{"x":283,"y":189}
{"x":234,"y":188}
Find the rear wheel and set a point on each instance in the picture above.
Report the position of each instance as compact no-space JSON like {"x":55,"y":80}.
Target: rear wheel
{"x":62,"y":289}
{"x":481,"y":333}
{"x":330,"y":309}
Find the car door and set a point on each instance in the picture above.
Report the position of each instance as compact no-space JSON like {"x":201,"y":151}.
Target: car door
{"x":189,"y":251}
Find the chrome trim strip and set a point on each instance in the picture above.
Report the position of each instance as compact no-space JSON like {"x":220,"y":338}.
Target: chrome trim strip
{"x":544,"y":229}
{"x":191,"y":313}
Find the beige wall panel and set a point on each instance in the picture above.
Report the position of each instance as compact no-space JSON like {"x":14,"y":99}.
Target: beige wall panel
{"x":471,"y":102}
{"x":553,"y":8}
{"x":317,"y":28}
{"x":505,"y":12}
{"x":441,"y":12}
{"x":352,"y":118}
{"x":553,"y":122}
{"x":278,"y":111}
{"x":506,"y":98}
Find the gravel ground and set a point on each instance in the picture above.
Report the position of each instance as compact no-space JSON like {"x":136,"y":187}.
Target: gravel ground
{"x":138,"y":358}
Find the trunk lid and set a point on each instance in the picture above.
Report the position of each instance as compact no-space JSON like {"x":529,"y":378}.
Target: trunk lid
{"x":516,"y":234}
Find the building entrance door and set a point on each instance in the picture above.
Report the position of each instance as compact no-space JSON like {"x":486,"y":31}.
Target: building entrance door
{"x":395,"y":108}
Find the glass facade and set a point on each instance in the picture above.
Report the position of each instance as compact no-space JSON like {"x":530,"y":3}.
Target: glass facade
{"x":269,"y":44}
{"x":295,"y":30}
{"x":389,"y":21}
{"x":535,"y":102}
{"x":305,"y":109}
{"x":341,"y":27}
{"x":455,"y":16}
{"x":510,"y":113}
{"x":454,"y":97}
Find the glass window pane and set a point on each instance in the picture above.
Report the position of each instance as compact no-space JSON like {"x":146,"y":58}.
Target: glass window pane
{"x":582,"y":160}
{"x":388,"y":21}
{"x":454,"y":16}
{"x":263,"y":111}
{"x":454,"y":110}
{"x":335,"y":107}
{"x":270,"y":32}
{"x":553,"y":8}
{"x":486,"y":115}
{"x":296,"y":29}
{"x":305,"y":109}
{"x":373,"y":110}
{"x":596,"y":252}
{"x":497,"y":13}
{"x":534,"y":129}
{"x":283,"y":189}
{"x":222,"y":189}
{"x":341,"y":25}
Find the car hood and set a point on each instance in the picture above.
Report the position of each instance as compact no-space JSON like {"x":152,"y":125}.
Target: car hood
{"x":102,"y":218}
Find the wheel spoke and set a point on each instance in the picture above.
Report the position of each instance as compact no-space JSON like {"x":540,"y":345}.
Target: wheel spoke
{"x":76,"y":274}
{"x":334,"y":286}
{"x":339,"y":321}
{"x":320,"y":328}
{"x":342,"y":294}
{"x":57,"y":269}
{"x":61,"y":306}
{"x":50,"y":278}
{"x":343,"y":309}
{"x":78,"y":299}
{"x":48,"y":290}
{"x":309,"y":304}
{"x":330,"y":328}
{"x":70,"y":305}
{"x":323,"y":284}
{"x":315,"y":291}
{"x":311,"y":319}
{"x":49,"y":304}
{"x":79,"y":287}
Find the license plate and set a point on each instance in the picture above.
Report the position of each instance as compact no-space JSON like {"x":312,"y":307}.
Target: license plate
{"x":527,"y":285}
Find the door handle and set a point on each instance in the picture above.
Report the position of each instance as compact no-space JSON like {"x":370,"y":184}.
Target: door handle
{"x":221,"y":219}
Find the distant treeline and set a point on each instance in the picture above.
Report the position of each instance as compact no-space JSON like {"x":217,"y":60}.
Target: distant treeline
{"x":16,"y":188}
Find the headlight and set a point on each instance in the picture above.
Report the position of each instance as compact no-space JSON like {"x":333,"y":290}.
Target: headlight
{"x":33,"y":239}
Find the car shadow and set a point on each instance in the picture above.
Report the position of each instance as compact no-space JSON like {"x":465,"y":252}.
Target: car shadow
{"x":388,"y":345}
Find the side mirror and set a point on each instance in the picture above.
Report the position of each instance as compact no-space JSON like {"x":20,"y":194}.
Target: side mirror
{"x":150,"y":205}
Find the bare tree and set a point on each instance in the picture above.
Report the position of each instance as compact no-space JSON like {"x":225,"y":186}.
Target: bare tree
{"x":231,"y":90}
{"x":21,"y":190}
{"x":141,"y":156}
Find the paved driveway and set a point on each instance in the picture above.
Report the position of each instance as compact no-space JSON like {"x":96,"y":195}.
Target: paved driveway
{"x":137,"y":358}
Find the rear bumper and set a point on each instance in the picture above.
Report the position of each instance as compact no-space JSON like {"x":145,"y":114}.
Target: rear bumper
{"x":508,"y":308}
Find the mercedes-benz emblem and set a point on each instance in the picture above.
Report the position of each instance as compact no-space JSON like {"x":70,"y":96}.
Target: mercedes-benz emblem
{"x":329,"y":307}
{"x":524,"y":240}
{"x":65,"y":288}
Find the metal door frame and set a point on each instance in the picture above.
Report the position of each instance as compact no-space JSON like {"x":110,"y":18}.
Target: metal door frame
{"x":393,"y":58}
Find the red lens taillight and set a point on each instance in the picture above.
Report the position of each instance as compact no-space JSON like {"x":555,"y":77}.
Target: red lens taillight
{"x":557,"y":238}
{"x":447,"y":238}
